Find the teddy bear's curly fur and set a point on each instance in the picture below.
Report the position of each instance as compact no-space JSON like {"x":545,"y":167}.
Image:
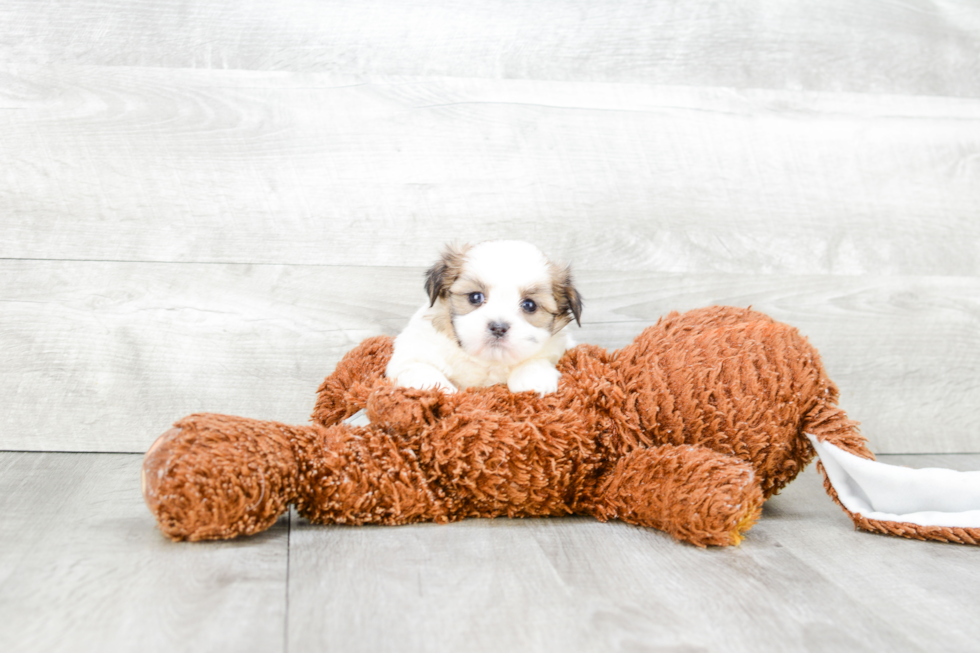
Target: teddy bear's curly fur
{"x":687,"y":430}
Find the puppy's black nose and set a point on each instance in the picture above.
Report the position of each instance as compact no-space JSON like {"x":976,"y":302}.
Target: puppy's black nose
{"x":498,"y":329}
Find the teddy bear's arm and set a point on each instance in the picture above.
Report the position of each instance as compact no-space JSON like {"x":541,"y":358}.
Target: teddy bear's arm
{"x":346,"y":390}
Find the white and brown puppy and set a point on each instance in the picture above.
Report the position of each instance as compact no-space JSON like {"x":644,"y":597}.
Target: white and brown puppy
{"x":495,"y":315}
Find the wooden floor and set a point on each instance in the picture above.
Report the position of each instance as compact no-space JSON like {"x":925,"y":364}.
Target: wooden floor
{"x":204,"y":205}
{"x":82,"y":568}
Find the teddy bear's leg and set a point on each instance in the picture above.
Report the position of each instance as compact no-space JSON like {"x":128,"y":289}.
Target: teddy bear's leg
{"x":692,"y":493}
{"x":215,"y":476}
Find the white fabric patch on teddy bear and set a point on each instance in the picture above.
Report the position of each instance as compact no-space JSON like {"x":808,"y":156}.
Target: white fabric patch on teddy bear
{"x":927,"y":497}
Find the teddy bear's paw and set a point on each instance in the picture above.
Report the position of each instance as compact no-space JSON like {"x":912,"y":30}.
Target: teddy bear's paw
{"x":405,"y":410}
{"x":692,"y":493}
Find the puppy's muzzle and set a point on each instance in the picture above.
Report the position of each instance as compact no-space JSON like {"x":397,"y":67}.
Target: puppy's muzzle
{"x":498,"y":329}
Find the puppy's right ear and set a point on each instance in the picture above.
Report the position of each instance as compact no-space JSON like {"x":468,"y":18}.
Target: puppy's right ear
{"x":444,"y":273}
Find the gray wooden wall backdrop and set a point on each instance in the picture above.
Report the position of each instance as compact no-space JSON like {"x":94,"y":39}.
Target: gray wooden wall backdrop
{"x":204,"y":205}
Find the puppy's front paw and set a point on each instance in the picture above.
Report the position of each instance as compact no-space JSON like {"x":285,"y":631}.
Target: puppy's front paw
{"x":425,"y":378}
{"x":541,"y":377}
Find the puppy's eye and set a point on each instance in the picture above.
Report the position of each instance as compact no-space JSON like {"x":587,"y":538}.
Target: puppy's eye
{"x":529,"y":306}
{"x":476,"y":298}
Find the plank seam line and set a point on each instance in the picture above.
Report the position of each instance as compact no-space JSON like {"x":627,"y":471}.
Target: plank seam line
{"x":249,"y":263}
{"x":67,"y":451}
{"x":289,"y":533}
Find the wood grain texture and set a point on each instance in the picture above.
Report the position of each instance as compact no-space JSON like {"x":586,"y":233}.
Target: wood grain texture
{"x":156,"y":164}
{"x":920,"y":47}
{"x":83,"y":567}
{"x":803,"y":580}
{"x":105,"y":356}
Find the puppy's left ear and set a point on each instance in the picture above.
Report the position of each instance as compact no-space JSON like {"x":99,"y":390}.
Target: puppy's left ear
{"x":567,"y":297}
{"x":444,"y":273}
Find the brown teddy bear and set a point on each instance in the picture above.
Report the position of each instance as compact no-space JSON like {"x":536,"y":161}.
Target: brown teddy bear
{"x":689,"y":430}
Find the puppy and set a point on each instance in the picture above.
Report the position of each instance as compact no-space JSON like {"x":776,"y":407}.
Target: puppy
{"x":495,"y":315}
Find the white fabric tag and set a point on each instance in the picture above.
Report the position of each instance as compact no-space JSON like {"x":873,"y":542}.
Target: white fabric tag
{"x":927,"y":497}
{"x":360,"y":418}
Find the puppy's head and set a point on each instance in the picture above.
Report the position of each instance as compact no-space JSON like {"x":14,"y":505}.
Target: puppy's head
{"x":501,"y":300}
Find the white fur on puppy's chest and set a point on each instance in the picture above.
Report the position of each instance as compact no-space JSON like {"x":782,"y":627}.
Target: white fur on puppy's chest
{"x":420,"y":350}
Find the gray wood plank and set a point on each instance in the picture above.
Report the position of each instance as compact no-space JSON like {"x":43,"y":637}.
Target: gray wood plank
{"x":265,"y":167}
{"x":802,"y":581}
{"x":108,"y":355}
{"x":927,"y":591}
{"x":915,"y":47}
{"x":83,"y":567}
{"x":103,"y":356}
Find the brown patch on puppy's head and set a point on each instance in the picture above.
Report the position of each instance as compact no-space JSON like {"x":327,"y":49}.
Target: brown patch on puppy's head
{"x":439,"y":279}
{"x":441,"y":276}
{"x":567,"y":298}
